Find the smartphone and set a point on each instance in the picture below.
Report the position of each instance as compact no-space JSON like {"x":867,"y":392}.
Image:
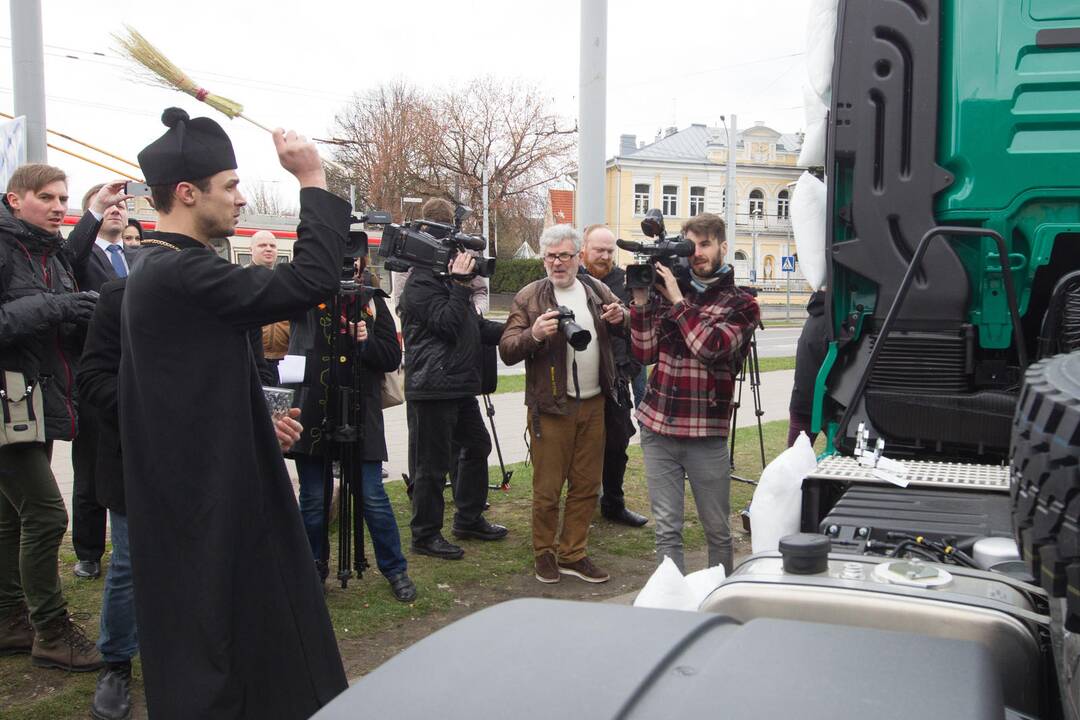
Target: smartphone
{"x":137,"y":189}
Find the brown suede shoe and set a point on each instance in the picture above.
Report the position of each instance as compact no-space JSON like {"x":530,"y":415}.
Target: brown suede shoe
{"x":63,"y":644}
{"x":16,"y":632}
{"x":585,"y":570}
{"x":546,"y":569}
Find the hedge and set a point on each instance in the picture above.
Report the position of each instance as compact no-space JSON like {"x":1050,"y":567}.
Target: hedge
{"x":512,"y":275}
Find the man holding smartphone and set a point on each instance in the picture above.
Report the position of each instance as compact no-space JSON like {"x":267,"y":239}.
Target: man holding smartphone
{"x":109,"y":259}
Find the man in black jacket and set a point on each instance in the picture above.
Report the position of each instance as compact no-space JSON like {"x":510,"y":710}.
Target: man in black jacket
{"x":42,"y":316}
{"x":109,"y":259}
{"x":598,"y":260}
{"x":443,"y":335}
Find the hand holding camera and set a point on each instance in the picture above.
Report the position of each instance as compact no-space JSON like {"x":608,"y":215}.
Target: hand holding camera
{"x":110,"y":194}
{"x":462,"y":267}
{"x":545,"y":326}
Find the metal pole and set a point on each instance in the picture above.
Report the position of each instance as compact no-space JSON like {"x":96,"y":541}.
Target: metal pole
{"x":732,"y":196}
{"x":484,"y":194}
{"x":787,"y":253}
{"x":592,"y":106}
{"x":28,"y":73}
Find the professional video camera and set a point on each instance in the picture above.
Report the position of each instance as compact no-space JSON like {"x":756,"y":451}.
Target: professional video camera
{"x":356,"y":246}
{"x":577,"y":336}
{"x":428,"y":244}
{"x":671,"y":253}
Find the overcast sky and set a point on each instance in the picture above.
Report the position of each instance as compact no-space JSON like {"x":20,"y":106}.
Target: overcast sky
{"x":297,"y":64}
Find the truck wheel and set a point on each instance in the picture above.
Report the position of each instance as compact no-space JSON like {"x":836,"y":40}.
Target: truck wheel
{"x":1046,"y":477}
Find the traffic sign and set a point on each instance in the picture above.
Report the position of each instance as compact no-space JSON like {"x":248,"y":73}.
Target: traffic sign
{"x":787,"y":263}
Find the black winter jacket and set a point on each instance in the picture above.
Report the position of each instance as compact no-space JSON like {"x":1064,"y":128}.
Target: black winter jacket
{"x":443,"y":334}
{"x":380,"y":354}
{"x":36,"y":266}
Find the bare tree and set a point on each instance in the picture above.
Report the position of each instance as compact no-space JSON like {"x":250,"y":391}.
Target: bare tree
{"x":263,"y":199}
{"x":382,"y":138}
{"x":398,"y":141}
{"x":509,"y":128}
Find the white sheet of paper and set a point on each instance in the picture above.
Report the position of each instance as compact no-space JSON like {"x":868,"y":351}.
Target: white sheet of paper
{"x":291,"y":369}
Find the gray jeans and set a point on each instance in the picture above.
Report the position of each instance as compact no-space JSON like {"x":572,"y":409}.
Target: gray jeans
{"x":705,"y":463}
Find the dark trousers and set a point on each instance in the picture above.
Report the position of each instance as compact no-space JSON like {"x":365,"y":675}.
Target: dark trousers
{"x":87,"y":516}
{"x":435,"y":425}
{"x":618,"y":429}
{"x":32,"y":524}
{"x":797,"y":422}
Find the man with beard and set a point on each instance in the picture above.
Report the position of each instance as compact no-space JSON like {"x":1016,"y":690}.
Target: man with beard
{"x":598,"y":260}
{"x":109,"y":259}
{"x":697,"y":332}
{"x":229,"y":608}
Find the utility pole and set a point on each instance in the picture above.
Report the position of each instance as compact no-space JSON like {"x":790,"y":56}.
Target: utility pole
{"x":28,"y":73}
{"x":731,"y":195}
{"x":592,"y":106}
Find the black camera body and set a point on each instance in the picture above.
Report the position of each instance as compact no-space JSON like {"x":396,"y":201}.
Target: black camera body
{"x":428,"y":244}
{"x":577,"y":336}
{"x":672,"y":253}
{"x":356,"y":246}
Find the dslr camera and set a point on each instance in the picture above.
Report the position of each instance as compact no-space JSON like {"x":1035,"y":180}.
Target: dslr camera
{"x":577,"y":336}
{"x":428,"y":244}
{"x":670,"y":252}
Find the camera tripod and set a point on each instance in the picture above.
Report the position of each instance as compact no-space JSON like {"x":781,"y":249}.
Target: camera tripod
{"x":751,"y":369}
{"x":343,"y":429}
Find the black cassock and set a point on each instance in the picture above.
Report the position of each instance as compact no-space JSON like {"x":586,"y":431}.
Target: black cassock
{"x":231,"y":616}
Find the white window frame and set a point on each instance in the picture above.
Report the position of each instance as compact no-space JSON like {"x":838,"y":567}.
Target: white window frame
{"x":669,"y":202}
{"x":642,"y":198}
{"x":756,"y":203}
{"x":697,"y":202}
{"x":783,"y":206}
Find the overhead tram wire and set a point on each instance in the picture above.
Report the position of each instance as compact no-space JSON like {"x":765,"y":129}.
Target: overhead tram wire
{"x":80,"y":142}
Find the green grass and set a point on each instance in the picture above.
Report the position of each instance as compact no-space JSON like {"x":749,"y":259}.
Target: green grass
{"x":516,"y":383}
{"x":366,"y":608}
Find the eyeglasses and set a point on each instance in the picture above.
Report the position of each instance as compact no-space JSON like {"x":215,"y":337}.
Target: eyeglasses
{"x":561,"y":257}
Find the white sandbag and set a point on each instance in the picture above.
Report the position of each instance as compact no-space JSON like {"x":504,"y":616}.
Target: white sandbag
{"x":821,"y":47}
{"x":703,"y":582}
{"x":812,"y":153}
{"x":808,"y":206}
{"x":666,"y":589}
{"x":777,"y":503}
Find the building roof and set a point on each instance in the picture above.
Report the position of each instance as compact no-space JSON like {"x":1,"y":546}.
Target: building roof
{"x":692,"y":143}
{"x":561,"y":203}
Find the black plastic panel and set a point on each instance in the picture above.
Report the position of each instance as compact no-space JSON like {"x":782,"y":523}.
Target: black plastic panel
{"x":883,"y":134}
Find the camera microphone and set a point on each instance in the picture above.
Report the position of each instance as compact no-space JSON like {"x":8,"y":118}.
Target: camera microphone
{"x":629,"y":245}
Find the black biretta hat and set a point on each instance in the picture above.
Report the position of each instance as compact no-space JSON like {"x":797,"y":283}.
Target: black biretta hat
{"x":191,"y":149}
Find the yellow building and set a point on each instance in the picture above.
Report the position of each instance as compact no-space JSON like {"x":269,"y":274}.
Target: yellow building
{"x":684,"y":172}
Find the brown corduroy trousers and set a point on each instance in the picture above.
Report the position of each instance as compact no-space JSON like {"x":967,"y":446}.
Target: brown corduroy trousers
{"x":570,"y":449}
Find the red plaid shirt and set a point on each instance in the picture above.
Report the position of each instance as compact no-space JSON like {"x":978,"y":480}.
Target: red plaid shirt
{"x":698,"y":347}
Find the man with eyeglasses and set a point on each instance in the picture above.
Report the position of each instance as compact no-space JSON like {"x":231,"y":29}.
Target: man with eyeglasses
{"x":565,"y":391}
{"x":598,"y":261}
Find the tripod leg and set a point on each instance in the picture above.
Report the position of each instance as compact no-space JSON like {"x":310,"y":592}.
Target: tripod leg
{"x":344,"y":527}
{"x":503,"y":475}
{"x":360,"y":563}
{"x":755,"y":388}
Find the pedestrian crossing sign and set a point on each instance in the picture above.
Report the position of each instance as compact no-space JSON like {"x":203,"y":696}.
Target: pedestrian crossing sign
{"x":787,"y":263}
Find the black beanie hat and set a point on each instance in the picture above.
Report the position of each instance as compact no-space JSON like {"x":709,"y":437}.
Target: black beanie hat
{"x":189,"y":150}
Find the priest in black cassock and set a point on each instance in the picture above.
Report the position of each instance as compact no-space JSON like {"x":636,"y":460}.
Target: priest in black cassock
{"x":231,"y":616}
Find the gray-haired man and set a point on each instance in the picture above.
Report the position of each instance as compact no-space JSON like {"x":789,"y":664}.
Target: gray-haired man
{"x":565,"y":391}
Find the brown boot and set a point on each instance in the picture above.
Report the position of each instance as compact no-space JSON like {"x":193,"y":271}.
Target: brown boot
{"x":16,"y":632}
{"x":63,"y":644}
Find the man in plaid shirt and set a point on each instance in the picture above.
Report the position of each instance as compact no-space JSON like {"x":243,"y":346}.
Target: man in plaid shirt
{"x":697,"y":332}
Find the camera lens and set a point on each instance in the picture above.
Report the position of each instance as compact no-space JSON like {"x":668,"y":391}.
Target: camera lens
{"x":578,"y":337}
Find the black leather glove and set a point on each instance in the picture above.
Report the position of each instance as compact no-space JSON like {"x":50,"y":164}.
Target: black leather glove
{"x":76,"y":307}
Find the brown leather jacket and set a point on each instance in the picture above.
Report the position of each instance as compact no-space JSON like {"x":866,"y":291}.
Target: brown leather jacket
{"x":545,"y":362}
{"x":276,"y":340}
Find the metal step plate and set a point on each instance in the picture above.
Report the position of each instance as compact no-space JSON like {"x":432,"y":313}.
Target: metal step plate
{"x":921,"y":473}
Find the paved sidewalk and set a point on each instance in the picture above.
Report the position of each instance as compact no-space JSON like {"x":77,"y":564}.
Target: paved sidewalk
{"x":509,"y":421}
